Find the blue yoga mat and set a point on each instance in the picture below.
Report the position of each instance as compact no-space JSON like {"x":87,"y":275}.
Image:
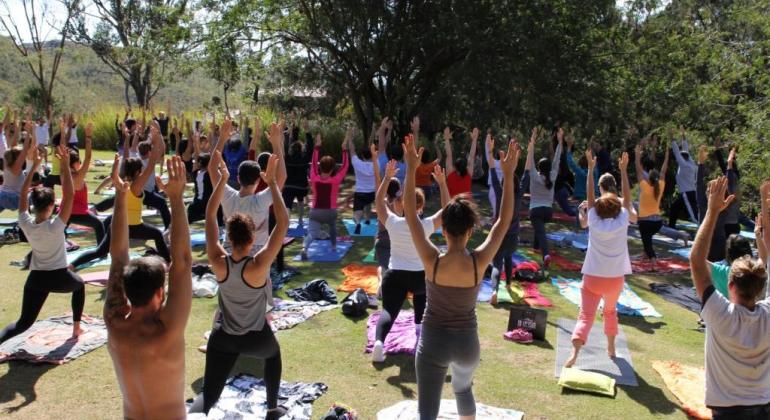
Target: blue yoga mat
{"x":71,"y":256}
{"x":366,"y":230}
{"x":295,"y":230}
{"x":321,"y":251}
{"x":682,"y":252}
{"x":485,"y":291}
{"x":629,"y":303}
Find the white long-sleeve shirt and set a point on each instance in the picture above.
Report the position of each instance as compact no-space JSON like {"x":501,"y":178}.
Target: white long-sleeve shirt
{"x":687,"y":172}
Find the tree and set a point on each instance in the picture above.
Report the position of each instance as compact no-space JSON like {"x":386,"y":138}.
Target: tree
{"x":40,"y":19}
{"x":222,"y":64}
{"x":143,"y":41}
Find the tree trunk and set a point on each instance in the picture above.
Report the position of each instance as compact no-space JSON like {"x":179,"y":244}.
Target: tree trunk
{"x":226,"y":87}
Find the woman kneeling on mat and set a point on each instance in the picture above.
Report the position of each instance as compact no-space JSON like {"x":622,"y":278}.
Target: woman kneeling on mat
{"x":245,"y":292}
{"x":48,"y":268}
{"x":450,"y":332}
{"x":406,"y":273}
{"x":607,"y":261}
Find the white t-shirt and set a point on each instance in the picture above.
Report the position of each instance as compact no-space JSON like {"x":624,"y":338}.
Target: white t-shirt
{"x":73,"y":136}
{"x":403,"y":254}
{"x":47,"y":242}
{"x":364,"y":175}
{"x":607,"y":254}
{"x":2,"y":143}
{"x":737,"y":352}
{"x":41,"y":134}
{"x":256,"y":206}
{"x":149,"y":185}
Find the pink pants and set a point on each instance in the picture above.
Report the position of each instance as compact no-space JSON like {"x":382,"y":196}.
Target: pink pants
{"x":593,"y":291}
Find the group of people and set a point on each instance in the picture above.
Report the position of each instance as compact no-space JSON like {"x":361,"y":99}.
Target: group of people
{"x":244,"y":199}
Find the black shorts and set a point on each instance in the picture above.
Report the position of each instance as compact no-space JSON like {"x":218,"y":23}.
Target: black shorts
{"x":361,"y":200}
{"x":290,"y":193}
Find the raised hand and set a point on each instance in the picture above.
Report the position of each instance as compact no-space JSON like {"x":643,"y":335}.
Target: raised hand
{"x":591,"y":159}
{"x":510,"y":159}
{"x":758,"y":227}
{"x":623,"y":162}
{"x":177,"y":178}
{"x":226,"y":129}
{"x":702,"y":154}
{"x":560,"y":135}
{"x":391,"y":169}
{"x":731,"y":158}
{"x":533,"y":136}
{"x":490,"y":143}
{"x":412,"y":156}
{"x":89,"y":130}
{"x":268,"y":175}
{"x":349,"y":134}
{"x":447,"y":134}
{"x":638,"y":150}
{"x":415,"y":125}
{"x":716,"y":195}
{"x":475,"y":134}
{"x":318,"y":140}
{"x":570,"y":140}
{"x":117,"y":181}
{"x":373,"y":151}
{"x":764,"y":191}
{"x":438,"y":175}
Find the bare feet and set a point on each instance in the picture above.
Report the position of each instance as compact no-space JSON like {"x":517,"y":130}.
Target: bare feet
{"x":611,"y":346}
{"x":493,"y":299}
{"x":576,"y":345}
{"x":76,"y":330}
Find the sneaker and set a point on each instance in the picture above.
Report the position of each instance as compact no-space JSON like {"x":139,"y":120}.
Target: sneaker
{"x":358,"y":229}
{"x":378,"y":352}
{"x":71,"y":246}
{"x":303,"y":255}
{"x":519,"y":335}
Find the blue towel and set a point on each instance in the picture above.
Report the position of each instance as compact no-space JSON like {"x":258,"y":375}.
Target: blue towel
{"x":485,"y":291}
{"x":366,"y":230}
{"x":320,"y":251}
{"x":682,"y":252}
{"x":629,"y":302}
{"x":295,"y":230}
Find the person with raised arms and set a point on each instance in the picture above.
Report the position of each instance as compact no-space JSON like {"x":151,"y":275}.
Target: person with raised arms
{"x":450,"y":331}
{"x":146,"y":323}
{"x":245,"y":295}
{"x":364,"y":193}
{"x":652,"y":185}
{"x":541,"y":192}
{"x":80,"y":212}
{"x":459,"y":171}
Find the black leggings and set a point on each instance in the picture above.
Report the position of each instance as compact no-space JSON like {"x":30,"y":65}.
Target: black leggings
{"x":680,"y":207}
{"x":91,"y":221}
{"x":221,"y":353}
{"x":196,"y":211}
{"x":648,"y":228}
{"x":39,"y":284}
{"x":105,"y":204}
{"x":504,"y":261}
{"x":396,"y":284}
{"x":539,"y":216}
{"x":156,"y":201}
{"x":732,"y":229}
{"x":143,"y":231}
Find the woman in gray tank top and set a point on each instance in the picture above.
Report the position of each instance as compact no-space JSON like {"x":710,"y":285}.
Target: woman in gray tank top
{"x":245,"y":293}
{"x":449,"y":333}
{"x":13,"y":174}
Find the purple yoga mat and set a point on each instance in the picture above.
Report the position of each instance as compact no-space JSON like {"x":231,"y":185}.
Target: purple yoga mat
{"x":401,"y":338}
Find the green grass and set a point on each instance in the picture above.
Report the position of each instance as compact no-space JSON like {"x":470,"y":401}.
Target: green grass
{"x":329,"y":348}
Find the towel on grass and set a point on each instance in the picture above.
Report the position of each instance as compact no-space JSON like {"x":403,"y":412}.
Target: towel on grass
{"x":50,"y":341}
{"x":402,"y":337}
{"x":629,"y":302}
{"x":661,"y":266}
{"x":681,"y":295}
{"x":286,"y":314}
{"x":532,"y":295}
{"x":359,"y":276}
{"x":566,"y":239}
{"x":280,"y":279}
{"x":369,"y":258}
{"x":295,"y":229}
{"x":688,"y":384}
{"x":97,"y":278}
{"x":321,"y":250}
{"x":244,"y":397}
{"x":407,"y":410}
{"x":71,"y":256}
{"x":682,"y":252}
{"x":556,"y":259}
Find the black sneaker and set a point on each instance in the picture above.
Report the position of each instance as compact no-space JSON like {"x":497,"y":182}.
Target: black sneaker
{"x":368,"y":222}
{"x":358,"y":229}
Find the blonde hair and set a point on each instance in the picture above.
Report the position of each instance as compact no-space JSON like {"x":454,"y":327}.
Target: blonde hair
{"x":608,"y":206}
{"x":749,"y":276}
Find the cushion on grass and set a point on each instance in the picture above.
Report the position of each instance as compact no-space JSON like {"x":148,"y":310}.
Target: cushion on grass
{"x":582,"y":380}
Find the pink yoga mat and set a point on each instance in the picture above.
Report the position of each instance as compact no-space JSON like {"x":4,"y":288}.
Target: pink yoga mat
{"x":97,"y":278}
{"x":532,"y":295}
{"x":402,"y":337}
{"x":662,"y":266}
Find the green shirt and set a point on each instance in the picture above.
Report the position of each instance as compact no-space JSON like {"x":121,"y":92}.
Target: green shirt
{"x":719,"y":275}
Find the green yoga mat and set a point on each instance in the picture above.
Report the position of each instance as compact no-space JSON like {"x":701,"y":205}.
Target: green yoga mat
{"x":369,"y":258}
{"x":504,"y":296}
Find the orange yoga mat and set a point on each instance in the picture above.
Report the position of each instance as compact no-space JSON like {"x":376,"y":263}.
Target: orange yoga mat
{"x":359,"y":276}
{"x":688,"y":384}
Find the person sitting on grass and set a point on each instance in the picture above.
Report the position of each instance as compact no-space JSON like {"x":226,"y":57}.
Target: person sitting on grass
{"x":45,"y":234}
{"x":737,"y":326}
{"x":363,"y":197}
{"x":459,"y":170}
{"x":245,"y":293}
{"x":325,"y":180}
{"x":450,"y":332}
{"x":607,"y":261}
{"x":145,"y":323}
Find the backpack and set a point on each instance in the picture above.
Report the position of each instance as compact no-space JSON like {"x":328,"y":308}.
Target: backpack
{"x":356,"y":303}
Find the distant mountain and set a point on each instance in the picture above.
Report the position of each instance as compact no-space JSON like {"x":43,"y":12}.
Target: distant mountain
{"x":85,"y":83}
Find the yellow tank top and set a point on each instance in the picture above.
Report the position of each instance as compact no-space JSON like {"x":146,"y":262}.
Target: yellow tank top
{"x":134,"y":208}
{"x":55,"y":165}
{"x":649,"y":205}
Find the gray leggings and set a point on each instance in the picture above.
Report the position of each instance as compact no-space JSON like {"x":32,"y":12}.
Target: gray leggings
{"x":318,"y":218}
{"x":438,"y":349}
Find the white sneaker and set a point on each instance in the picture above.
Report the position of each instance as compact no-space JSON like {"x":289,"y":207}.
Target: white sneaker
{"x":378,"y":352}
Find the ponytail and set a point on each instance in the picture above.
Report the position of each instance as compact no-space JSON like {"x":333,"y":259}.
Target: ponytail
{"x":654,"y":180}
{"x":544,"y":169}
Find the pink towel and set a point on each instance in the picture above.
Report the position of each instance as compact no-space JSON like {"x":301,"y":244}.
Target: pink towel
{"x":532,"y":295}
{"x":401,"y":338}
{"x":662,"y":266}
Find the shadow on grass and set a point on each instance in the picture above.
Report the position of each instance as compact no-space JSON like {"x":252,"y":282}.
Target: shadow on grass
{"x":641,"y":324}
{"x":406,"y":373}
{"x":654,"y":399}
{"x":21,"y":379}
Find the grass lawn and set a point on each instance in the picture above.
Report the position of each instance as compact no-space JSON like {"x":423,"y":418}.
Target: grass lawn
{"x":329,"y":348}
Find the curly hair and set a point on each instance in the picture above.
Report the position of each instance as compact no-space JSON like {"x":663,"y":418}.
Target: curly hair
{"x":240,"y":230}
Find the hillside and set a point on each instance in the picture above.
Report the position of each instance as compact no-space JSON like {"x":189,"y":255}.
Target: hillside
{"x":87,"y":84}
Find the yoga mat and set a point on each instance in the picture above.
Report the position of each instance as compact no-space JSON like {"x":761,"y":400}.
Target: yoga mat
{"x":9,"y":221}
{"x":688,"y":384}
{"x":369,"y":258}
{"x":661,"y":266}
{"x":50,"y":341}
{"x":286,"y":314}
{"x":71,"y":256}
{"x":74,"y":230}
{"x":402,"y":337}
{"x":244,"y":397}
{"x":682,"y":252}
{"x":514,"y":295}
{"x":556,"y":259}
{"x":321,"y":251}
{"x":96,"y":278}
{"x":485,"y":291}
{"x":593,"y":356}
{"x":675,"y":242}
{"x":359,"y":276}
{"x":629,"y":303}
{"x":532,"y":295}
{"x":295,"y":230}
{"x":366,"y":230}
{"x":407,"y":410}
{"x":681,"y":295}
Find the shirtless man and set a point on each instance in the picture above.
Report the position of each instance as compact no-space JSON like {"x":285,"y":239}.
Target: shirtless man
{"x":146,"y":337}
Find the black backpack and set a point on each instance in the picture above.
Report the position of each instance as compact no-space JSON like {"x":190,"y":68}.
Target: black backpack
{"x":355,"y":304}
